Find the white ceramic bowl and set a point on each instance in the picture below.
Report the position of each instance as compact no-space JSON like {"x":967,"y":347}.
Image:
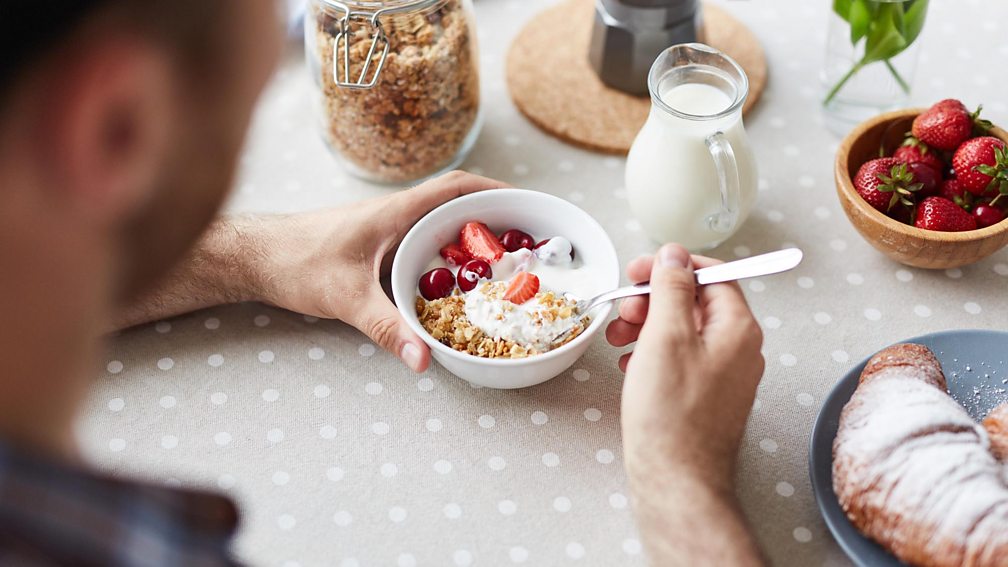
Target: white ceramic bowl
{"x":537,"y":213}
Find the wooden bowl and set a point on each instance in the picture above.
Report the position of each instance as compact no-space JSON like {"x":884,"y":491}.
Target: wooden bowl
{"x":901,"y":242}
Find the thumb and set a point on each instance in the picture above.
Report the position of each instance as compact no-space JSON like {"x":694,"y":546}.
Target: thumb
{"x":673,"y":297}
{"x":379,"y":319}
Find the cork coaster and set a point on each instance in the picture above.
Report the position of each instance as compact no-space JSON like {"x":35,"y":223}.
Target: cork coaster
{"x":554,"y":86}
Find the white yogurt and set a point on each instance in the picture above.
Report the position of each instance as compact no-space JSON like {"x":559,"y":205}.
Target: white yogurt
{"x":517,"y":323}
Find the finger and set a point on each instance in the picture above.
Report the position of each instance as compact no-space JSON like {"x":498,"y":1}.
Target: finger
{"x":379,"y":319}
{"x":673,"y":295}
{"x":634,"y":310}
{"x":725,"y":312}
{"x":639,"y":269}
{"x":619,"y":333}
{"x":624,"y":361}
{"x":431,"y":194}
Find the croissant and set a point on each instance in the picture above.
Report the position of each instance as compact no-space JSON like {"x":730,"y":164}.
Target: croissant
{"x":914,"y":472}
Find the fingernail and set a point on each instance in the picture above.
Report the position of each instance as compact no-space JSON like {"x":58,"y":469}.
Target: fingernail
{"x":673,"y":256}
{"x":411,"y":356}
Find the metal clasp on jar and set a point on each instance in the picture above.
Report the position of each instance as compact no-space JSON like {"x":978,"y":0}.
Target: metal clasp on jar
{"x":378,"y":38}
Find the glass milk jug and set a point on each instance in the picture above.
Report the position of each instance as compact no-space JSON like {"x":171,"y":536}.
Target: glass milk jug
{"x":690,"y":175}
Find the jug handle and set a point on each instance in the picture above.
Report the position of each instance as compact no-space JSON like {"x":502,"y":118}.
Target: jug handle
{"x":725,"y":220}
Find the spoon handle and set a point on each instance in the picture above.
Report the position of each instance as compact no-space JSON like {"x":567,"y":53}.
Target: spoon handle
{"x":762,"y":265}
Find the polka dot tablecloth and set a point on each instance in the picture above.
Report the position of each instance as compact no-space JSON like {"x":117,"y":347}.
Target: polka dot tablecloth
{"x":339,"y":456}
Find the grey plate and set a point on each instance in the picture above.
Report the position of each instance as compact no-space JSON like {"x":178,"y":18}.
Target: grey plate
{"x":976,"y":367}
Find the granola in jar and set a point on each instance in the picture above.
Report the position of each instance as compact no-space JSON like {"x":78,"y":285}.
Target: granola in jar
{"x":422,"y":114}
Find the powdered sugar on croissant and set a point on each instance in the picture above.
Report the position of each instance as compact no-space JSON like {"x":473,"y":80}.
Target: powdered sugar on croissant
{"x":914,"y":472}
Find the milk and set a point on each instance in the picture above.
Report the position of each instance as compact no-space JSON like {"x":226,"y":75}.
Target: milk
{"x":671,"y":178}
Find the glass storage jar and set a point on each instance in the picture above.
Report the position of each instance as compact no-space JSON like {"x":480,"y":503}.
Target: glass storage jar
{"x":398,"y":82}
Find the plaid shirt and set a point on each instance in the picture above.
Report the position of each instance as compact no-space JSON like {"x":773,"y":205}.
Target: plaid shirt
{"x":53,"y":514}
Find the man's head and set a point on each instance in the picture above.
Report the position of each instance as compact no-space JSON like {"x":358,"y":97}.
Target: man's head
{"x":121,"y":122}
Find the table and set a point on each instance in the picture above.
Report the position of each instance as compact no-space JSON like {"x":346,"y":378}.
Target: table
{"x":339,"y":456}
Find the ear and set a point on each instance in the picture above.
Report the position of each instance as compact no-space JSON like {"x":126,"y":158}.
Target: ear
{"x":107,"y":126}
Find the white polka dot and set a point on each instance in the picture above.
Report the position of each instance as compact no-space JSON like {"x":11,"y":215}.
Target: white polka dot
{"x":757,"y":404}
{"x":169,"y":442}
{"x":806,"y":282}
{"x":922,"y":311}
{"x":462,"y":558}
{"x":771,"y":322}
{"x":520,"y":169}
{"x":507,"y":507}
{"x":742,"y":251}
{"x":275,"y":435}
{"x":261,"y":320}
{"x":550,"y":459}
{"x":266,"y":356}
{"x":581,"y":375}
{"x":822,"y":318}
{"x":496,"y":463}
{"x":574,"y":550}
{"x":342,"y":518}
{"x":972,"y":308}
{"x":592,"y":414}
{"x":872,"y":314}
{"x":218,"y":398}
{"x":452,"y":511}
{"x":791,"y":150}
{"x":561,"y":504}
{"x":406,"y":560}
{"x":838,"y":245}
{"x":565,"y":166}
{"x":539,"y":418}
{"x":270,"y":395}
{"x":350,"y":562}
{"x":757,"y":286}
{"x":335,"y":474}
{"x":518,"y":554}
{"x":425,"y":384}
{"x":397,"y":514}
{"x":802,"y":534}
{"x":286,"y":522}
{"x":855,"y":279}
{"x":604,"y":456}
{"x":1001,"y":269}
{"x":805,"y":399}
{"x":212,"y":323}
{"x":225,"y":481}
{"x":373,"y":388}
{"x":167,"y":402}
{"x":612,"y":162}
{"x":442,"y":467}
{"x":954,"y":273}
{"x":434,"y":425}
{"x":389,"y":470}
{"x":366,"y":349}
{"x":165,"y":364}
{"x":486,"y":421}
{"x":322,"y":391}
{"x":768,"y":445}
{"x":328,"y":432}
{"x":222,"y":438}
{"x":215,"y":360}
{"x":788,"y":359}
{"x":380,"y":428}
{"x":114,"y":367}
{"x":618,"y":501}
{"x":777,"y":122}
{"x":315,"y":353}
{"x":512,"y":140}
{"x":631,"y":546}
{"x":904,"y":275}
{"x":280,"y":478}
{"x":775,"y":216}
{"x":822,"y":213}
{"x":785,"y":489}
{"x":633,"y":225}
{"x":576,"y":197}
{"x":806,"y":181}
{"x":116,"y":404}
{"x":163,"y":327}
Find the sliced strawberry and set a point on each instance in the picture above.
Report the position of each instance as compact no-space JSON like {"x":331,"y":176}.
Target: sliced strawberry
{"x":454,"y":255}
{"x":522,"y":288}
{"x":478,"y":242}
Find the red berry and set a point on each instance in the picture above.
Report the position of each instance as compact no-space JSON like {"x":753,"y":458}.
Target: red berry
{"x":470,"y":274}
{"x":522,"y":288}
{"x":982,"y":164}
{"x":987,"y":215}
{"x":914,"y":151}
{"x":929,"y":178}
{"x":454,"y":255}
{"x":937,"y":213}
{"x":479,"y":242}
{"x":514,"y":240}
{"x":543,"y":243}
{"x":436,"y":284}
{"x":884,"y":182}
{"x":944,"y":126}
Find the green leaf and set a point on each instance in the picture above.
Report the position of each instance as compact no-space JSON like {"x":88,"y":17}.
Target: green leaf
{"x":842,"y":8}
{"x":885,"y":39}
{"x":860,"y":18}
{"x":913,"y":20}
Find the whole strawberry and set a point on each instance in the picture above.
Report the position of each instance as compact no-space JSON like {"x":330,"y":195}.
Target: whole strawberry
{"x":981,"y":164}
{"x":944,"y":126}
{"x":938,"y":213}
{"x":884,"y":182}
{"x":952,"y":190}
{"x":914,"y":151}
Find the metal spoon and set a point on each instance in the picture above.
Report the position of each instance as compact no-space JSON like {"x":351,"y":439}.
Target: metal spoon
{"x":755,"y":266}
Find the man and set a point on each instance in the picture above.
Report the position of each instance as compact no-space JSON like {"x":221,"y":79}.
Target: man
{"x":120,"y":125}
